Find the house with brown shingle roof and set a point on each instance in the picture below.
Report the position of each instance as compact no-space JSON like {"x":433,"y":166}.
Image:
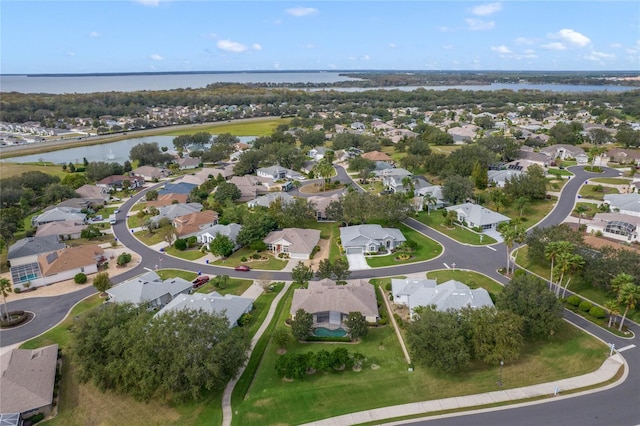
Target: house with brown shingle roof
{"x":151,"y":173}
{"x":193,"y":223}
{"x":65,"y":263}
{"x":625,"y":155}
{"x":297,"y":242}
{"x":168,"y":199}
{"x":250,"y":187}
{"x":27,"y":380}
{"x":67,"y":230}
{"x":114,"y":182}
{"x":377,"y":156}
{"x":330,"y":304}
{"x":93,"y":192}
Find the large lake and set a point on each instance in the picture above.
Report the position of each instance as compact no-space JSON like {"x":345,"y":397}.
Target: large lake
{"x":110,"y":152}
{"x":136,"y":82}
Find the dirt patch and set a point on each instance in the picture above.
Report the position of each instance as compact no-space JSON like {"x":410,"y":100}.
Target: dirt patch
{"x":263,"y":402}
{"x":598,"y":242}
{"x":375,"y":366}
{"x":322,"y":254}
{"x":282,"y":351}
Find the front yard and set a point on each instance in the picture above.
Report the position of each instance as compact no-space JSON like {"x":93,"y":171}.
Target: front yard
{"x":188,"y":254}
{"x":438,"y":222}
{"x":270,"y":262}
{"x":470,"y":278}
{"x":596,"y":192}
{"x":427,"y":249}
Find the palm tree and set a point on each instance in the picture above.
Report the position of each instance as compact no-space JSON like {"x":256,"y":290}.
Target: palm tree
{"x":629,"y":296}
{"x":574,"y":262}
{"x":618,"y":281}
{"x":595,"y":152}
{"x":614,"y":310}
{"x":580,"y":210}
{"x":5,"y":288}
{"x":324,"y":169}
{"x":428,"y":200}
{"x":511,"y":234}
{"x":551,"y":252}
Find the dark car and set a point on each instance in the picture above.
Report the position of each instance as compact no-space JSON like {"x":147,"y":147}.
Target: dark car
{"x":200,"y":281}
{"x":242,"y":268}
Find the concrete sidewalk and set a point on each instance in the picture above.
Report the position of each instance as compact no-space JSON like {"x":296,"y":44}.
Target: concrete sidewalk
{"x":606,"y":372}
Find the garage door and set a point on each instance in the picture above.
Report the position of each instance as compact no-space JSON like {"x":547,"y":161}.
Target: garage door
{"x":354,"y":250}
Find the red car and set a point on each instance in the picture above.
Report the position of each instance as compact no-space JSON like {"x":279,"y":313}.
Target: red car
{"x":201,"y":280}
{"x":242,"y":268}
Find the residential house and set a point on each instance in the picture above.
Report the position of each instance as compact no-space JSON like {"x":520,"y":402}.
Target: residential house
{"x":94,"y":192}
{"x":193,"y":223}
{"x":298,"y":243}
{"x":477,"y":216}
{"x":370,"y":238}
{"x":308,"y":166}
{"x":174,"y":210}
{"x":78,"y":204}
{"x":464,"y":134}
{"x":624,"y":156}
{"x":542,"y":160}
{"x":317,"y":153}
{"x":321,"y":203}
{"x":188,"y":163}
{"x":59,"y":214}
{"x":624,"y":203}
{"x":269,"y":198}
{"x":177,"y":188}
{"x":250,"y":187}
{"x":358,"y":126}
{"x":330,"y":304}
{"x":27,"y":380}
{"x":381,"y":167}
{"x":414,"y":293}
{"x":115,"y":182}
{"x":500,"y":177}
{"x":149,"y":173}
{"x":377,"y":156}
{"x":206,"y":235}
{"x":392,"y":179}
{"x":229,"y":305}
{"x":26,"y":250}
{"x":434,"y":191}
{"x":618,"y":226}
{"x":167,"y":200}
{"x":563,"y":152}
{"x":149,"y":288}
{"x":65,"y":263}
{"x":278,"y":172}
{"x":62,"y":230}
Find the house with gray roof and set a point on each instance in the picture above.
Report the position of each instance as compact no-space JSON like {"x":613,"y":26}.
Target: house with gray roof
{"x":278,"y":172}
{"x":250,"y":187}
{"x":177,"y":188}
{"x":452,"y":294}
{"x":27,"y":249}
{"x":149,"y":288}
{"x":369,"y":238}
{"x":330,"y":304}
{"x":434,"y":191}
{"x":622,"y":227}
{"x":59,"y":214}
{"x":269,"y":198}
{"x":563,"y":151}
{"x":624,"y":203}
{"x":500,"y":177}
{"x":232,"y":307}
{"x":298,"y":243}
{"x":62,"y":230}
{"x":173,"y":211}
{"x":94,"y":192}
{"x":392,"y":179}
{"x":475,"y":215}
{"x":27,"y":380}
{"x":206,"y":235}
{"x":321,"y":203}
{"x":188,"y":163}
{"x":317,"y":153}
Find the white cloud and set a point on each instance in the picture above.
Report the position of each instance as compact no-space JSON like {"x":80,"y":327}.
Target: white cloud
{"x":301,"y":11}
{"x":486,"y":9}
{"x":448,"y":46}
{"x":445,"y":29}
{"x":156,"y":57}
{"x":211,"y":36}
{"x":478,"y":24}
{"x":524,"y":40}
{"x":501,"y":49}
{"x":393,"y":45}
{"x":150,"y":3}
{"x":231,"y":46}
{"x":554,"y":46}
{"x":256,"y":46}
{"x":70,"y":53}
{"x":308,"y":46}
{"x":572,"y":37}
{"x":599,"y":56}
{"x":616,"y":45}
{"x":276,"y":65}
{"x":94,"y":34}
{"x":365,"y":57}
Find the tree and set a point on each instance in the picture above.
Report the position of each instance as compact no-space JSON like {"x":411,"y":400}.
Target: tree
{"x":168,"y":233}
{"x":511,"y":234}
{"x":529,"y":297}
{"x":221,"y":245}
{"x":429,"y":200}
{"x":123,"y":259}
{"x":627,"y":293}
{"x":149,"y":154}
{"x":56,"y":192}
{"x":521,"y":203}
{"x":479,"y":176}
{"x":301,"y":325}
{"x":553,"y":251}
{"x":221,"y":281}
{"x":539,"y":238}
{"x":74,"y":181}
{"x":102,"y":282}
{"x":337,"y":270}
{"x":151,"y":195}
{"x":90,"y":232}
{"x":595,"y":152}
{"x":301,"y":274}
{"x":226,"y":191}
{"x":5,"y":289}
{"x":580,"y":210}
{"x":435,"y":338}
{"x":325,"y":170}
{"x":568,"y":263}
{"x":613,"y":308}
{"x":456,"y":189}
{"x":357,"y":325}
{"x":281,"y":338}
{"x":493,"y":335}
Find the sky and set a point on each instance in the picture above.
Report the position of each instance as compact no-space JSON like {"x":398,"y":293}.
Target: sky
{"x":178,"y":35}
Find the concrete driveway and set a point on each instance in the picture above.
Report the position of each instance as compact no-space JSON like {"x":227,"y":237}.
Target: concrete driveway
{"x":357,"y":262}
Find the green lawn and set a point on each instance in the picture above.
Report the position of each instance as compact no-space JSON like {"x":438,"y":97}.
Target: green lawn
{"x":427,"y":249}
{"x":189,"y":254}
{"x":461,"y":234}
{"x":172,"y":273}
{"x":150,"y":239}
{"x":138,"y":206}
{"x":329,"y":231}
{"x":247,"y":128}
{"x":592,"y":209}
{"x":271,"y":264}
{"x":612,"y":181}
{"x":16,"y":169}
{"x":470,"y":278}
{"x":533,"y":213}
{"x":235,"y":286}
{"x":134,"y":221}
{"x":596,"y":192}
{"x":555,"y":185}
{"x":558,"y":172}
{"x":271,"y":400}
{"x":84,"y":242}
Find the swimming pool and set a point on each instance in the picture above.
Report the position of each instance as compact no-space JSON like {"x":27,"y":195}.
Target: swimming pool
{"x":325,"y":332}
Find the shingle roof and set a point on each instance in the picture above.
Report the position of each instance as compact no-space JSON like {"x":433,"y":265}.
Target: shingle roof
{"x":449,"y":295}
{"x":177,"y":188}
{"x":34,"y":245}
{"x":174,"y":210}
{"x":301,"y":240}
{"x":229,"y":305}
{"x":27,"y":380}
{"x":323,"y":296}
{"x":60,"y":228}
{"x":359,"y":235}
{"x":502,"y":175}
{"x":267,"y":199}
{"x":147,"y":287}
{"x":191,"y":223}
{"x":626,"y":202}
{"x":231,"y":230}
{"x":60,"y":214}
{"x":69,"y":258}
{"x":479,"y":215}
{"x":376,"y":156}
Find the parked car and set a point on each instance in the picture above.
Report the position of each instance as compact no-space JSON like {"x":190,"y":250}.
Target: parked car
{"x":200,"y":281}
{"x":242,"y":268}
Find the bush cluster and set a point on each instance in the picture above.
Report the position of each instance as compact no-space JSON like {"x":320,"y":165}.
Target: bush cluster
{"x":296,"y":366}
{"x":80,"y":278}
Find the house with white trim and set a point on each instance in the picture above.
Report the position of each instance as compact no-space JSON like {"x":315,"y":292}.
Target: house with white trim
{"x":149,"y":288}
{"x":361,"y":239}
{"x":475,"y":215}
{"x":624,"y":203}
{"x":298,"y":243}
{"x":229,"y":305}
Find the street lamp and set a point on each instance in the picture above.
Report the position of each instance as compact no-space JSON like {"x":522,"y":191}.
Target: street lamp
{"x":500,"y":377}
{"x":453,"y":266}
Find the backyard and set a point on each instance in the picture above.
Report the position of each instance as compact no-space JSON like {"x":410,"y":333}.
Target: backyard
{"x":470,"y":278}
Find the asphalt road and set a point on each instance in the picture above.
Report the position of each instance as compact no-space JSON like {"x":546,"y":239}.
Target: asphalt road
{"x":617,"y":406}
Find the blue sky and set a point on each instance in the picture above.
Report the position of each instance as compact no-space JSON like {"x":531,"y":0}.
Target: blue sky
{"x":176,"y":35}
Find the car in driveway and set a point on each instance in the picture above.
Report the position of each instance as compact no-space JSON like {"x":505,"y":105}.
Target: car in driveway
{"x":242,"y":268}
{"x":200,"y":281}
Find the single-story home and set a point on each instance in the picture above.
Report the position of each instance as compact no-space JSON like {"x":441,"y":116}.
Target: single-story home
{"x":298,"y":243}
{"x":500,"y":177}
{"x":27,"y":380}
{"x":625,"y":156}
{"x":115,"y":182}
{"x":624,"y":203}
{"x":434,"y":191}
{"x":93,"y":192}
{"x":563,"y":151}
{"x":392,"y":179}
{"x":65,"y":263}
{"x":231,"y":306}
{"x":452,"y":294}
{"x":330,"y":304}
{"x":193,"y":223}
{"x":278,"y":172}
{"x":317,"y":153}
{"x":59,"y":214}
{"x":168,"y":199}
{"x":150,"y":173}
{"x":26,"y":250}
{"x":206,"y":235}
{"x":370,"y":238}
{"x":188,"y":163}
{"x":475,"y":215}
{"x":175,"y":210}
{"x":62,"y":230}
{"x":149,"y":288}
{"x":618,"y":226}
{"x":250,"y":187}
{"x":177,"y":188}
{"x":377,"y":156}
{"x":269,"y":198}
{"x":321,"y":203}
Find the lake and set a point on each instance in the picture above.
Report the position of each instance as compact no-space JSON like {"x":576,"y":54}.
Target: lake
{"x":117,"y":152}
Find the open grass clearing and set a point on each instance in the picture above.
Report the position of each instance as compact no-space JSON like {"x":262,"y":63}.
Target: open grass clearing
{"x":470,"y":278}
{"x":16,"y":169}
{"x":596,"y":192}
{"x":532,"y":213}
{"x":271,"y":400}
{"x":172,"y":273}
{"x":444,"y":149}
{"x":271,"y":263}
{"x":106,"y":238}
{"x":244,"y":128}
{"x":150,"y":239}
{"x":134,"y":221}
{"x":559,"y":172}
{"x":235,"y":286}
{"x":427,"y":249}
{"x":437,"y":221}
{"x":188,"y":254}
{"x":555,"y":185}
{"x":611,"y":180}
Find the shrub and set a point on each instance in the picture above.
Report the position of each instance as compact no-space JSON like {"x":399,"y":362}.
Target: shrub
{"x":519,"y":272}
{"x":17,"y":290}
{"x":585,"y":306}
{"x":399,"y":320}
{"x":191,"y":241}
{"x":36,"y":418}
{"x":80,"y":278}
{"x":597,"y":312}
{"x":243,"y":259}
{"x":574,"y":300}
{"x":245,"y":319}
{"x":382,"y":321}
{"x":123,"y":259}
{"x":258,"y":245}
{"x":180,"y":244}
{"x":388,"y":286}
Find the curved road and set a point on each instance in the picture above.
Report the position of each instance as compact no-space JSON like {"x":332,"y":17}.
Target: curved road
{"x":619,"y":406}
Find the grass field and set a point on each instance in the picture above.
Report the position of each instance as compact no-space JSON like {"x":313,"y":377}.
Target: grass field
{"x":596,"y":192}
{"x":271,"y":264}
{"x":532,"y":213}
{"x":252,"y":128}
{"x":470,"y":278}
{"x":235,"y":286}
{"x":427,"y":249}
{"x":438,"y":222}
{"x":172,"y":273}
{"x":271,"y":400}
{"x":612,"y":181}
{"x":189,"y":254}
{"x":16,"y":169}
